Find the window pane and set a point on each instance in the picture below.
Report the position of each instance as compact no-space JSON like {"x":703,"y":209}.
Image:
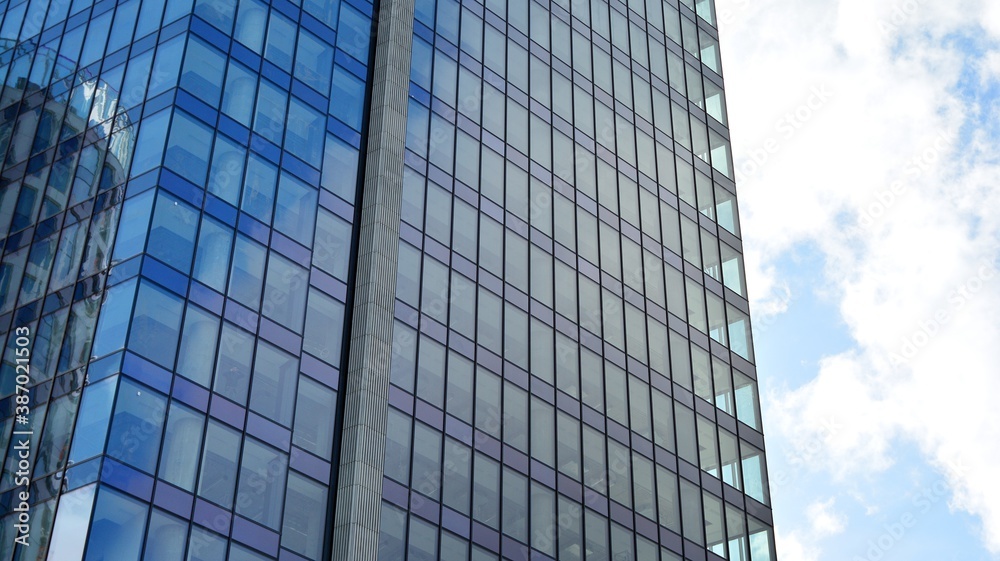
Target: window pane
{"x":274,"y":377}
{"x":188,"y":149}
{"x":156,"y":324}
{"x":340,"y":168}
{"x":232,"y":369}
{"x":262,"y":482}
{"x":137,"y":426}
{"x":181,"y":446}
{"x":166,"y":537}
{"x":324,"y":327}
{"x":211,"y":263}
{"x":314,"y":420}
{"x":397,"y":446}
{"x":258,"y":188}
{"x":332,"y":246}
{"x":304,"y":526}
{"x":70,"y":529}
{"x":347,"y":96}
{"x":218,"y":464}
{"x":304,"y":133}
{"x":204,"y":68}
{"x":172,"y":233}
{"x":247,"y":272}
{"x":284,"y":293}
{"x":227,"y":170}
{"x":197,"y":354}
{"x":314,"y":60}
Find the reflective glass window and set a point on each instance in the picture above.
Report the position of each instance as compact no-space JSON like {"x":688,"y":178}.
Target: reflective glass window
{"x":262,"y":482}
{"x":217,"y":477}
{"x":274,"y":376}
{"x":117,"y":527}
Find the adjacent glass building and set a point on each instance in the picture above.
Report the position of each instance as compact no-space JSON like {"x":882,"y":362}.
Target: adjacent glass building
{"x":314,"y":280}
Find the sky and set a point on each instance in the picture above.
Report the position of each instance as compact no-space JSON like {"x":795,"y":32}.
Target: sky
{"x":865,"y":136}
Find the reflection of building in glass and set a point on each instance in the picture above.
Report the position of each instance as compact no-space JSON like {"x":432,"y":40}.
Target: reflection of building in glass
{"x":517,"y":328}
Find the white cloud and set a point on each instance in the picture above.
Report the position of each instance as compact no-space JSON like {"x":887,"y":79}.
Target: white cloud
{"x":894,"y":179}
{"x":793,"y":547}
{"x":825,"y":521}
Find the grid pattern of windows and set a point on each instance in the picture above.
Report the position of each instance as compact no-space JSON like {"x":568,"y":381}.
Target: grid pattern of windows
{"x":176,"y":212}
{"x":572,"y":374}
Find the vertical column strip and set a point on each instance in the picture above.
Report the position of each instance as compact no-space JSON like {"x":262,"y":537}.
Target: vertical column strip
{"x":359,"y":483}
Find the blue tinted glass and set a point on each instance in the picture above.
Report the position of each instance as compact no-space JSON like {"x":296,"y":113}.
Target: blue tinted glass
{"x":305,"y":131}
{"x":420,"y":63}
{"x":251,"y":21}
{"x":323,"y":332}
{"x":227,"y":170}
{"x":325,"y":11}
{"x":172,"y":232}
{"x":424,"y":12}
{"x":133,"y":227}
{"x":347,"y":97}
{"x":217,"y":12}
{"x":181,"y":446}
{"x":115,"y":315}
{"x":304,"y":525}
{"x":295,"y":212}
{"x":137,"y":426}
{"x":217,"y":479}
{"x":340,"y":168}
{"x":314,"y":62}
{"x":354,"y":33}
{"x":189,"y":148}
{"x":284,"y":295}
{"x":149,"y":146}
{"x":97,"y":37}
{"x":166,"y":67}
{"x":247,"y":272}
{"x":156,"y":324}
{"x":124,"y":25}
{"x":204,"y":68}
{"x":274,"y":377}
{"x":447,"y":19}
{"x":332,"y":245}
{"x":197,"y":351}
{"x":269,"y":115}
{"x":258,"y":189}
{"x":241,"y":85}
{"x":117,"y":530}
{"x":166,"y":537}
{"x":280,"y":41}
{"x":215,"y":240}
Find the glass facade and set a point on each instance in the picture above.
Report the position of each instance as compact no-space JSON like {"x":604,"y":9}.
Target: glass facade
{"x":176,"y":216}
{"x":571,"y":366}
{"x":572,"y":375}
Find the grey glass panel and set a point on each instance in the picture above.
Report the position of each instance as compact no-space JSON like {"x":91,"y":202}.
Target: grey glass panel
{"x":232,"y":368}
{"x":284,"y":293}
{"x":274,"y":378}
{"x":392,"y":533}
{"x":397,"y":446}
{"x":166,"y":537}
{"x":262,"y":484}
{"x":426,"y":470}
{"x":304,"y":526}
{"x":313,"y":430}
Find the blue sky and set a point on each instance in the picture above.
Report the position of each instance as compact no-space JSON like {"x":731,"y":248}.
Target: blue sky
{"x":872,"y":232}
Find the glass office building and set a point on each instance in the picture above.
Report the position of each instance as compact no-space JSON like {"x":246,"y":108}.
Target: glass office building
{"x":313,"y":280}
